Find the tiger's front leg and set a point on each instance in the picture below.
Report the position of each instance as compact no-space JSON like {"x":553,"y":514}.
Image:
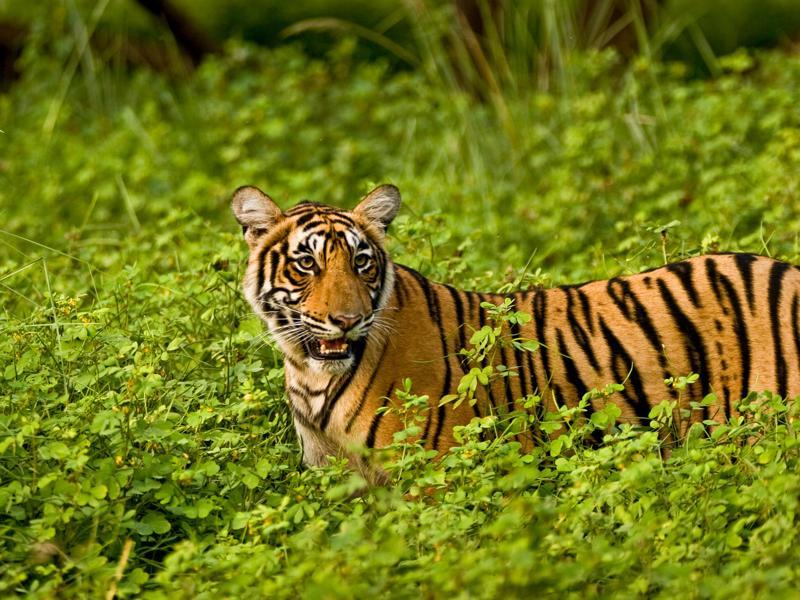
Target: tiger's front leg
{"x":317,"y":447}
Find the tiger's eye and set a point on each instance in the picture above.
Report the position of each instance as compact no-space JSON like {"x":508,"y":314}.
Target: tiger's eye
{"x":361,"y":260}
{"x":306,"y":262}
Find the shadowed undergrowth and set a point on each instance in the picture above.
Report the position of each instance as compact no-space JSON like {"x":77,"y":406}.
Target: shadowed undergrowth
{"x":140,"y":400}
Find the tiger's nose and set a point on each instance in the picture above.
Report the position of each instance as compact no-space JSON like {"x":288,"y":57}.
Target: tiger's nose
{"x":345,"y":322}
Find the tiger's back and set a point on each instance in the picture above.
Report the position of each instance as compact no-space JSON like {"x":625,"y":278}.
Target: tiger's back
{"x":730,"y":318}
{"x":353,"y":326}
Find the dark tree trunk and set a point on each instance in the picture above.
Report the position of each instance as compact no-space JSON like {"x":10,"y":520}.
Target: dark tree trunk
{"x":471,"y":14}
{"x":190,"y":39}
{"x":604,"y":25}
{"x":12,"y":39}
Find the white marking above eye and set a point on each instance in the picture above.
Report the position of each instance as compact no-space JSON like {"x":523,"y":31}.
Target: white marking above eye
{"x":315,"y":242}
{"x":352,"y":238}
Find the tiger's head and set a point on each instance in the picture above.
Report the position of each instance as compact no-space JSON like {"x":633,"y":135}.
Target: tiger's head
{"x":317,"y":275}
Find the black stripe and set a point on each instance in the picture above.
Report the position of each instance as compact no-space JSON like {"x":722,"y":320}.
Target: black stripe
{"x":292,"y":362}
{"x":574,"y":377}
{"x":521,"y":368}
{"x":304,"y":207}
{"x":336,"y":387}
{"x":302,"y":248}
{"x":571,"y":371}
{"x":282,"y":319}
{"x":471,"y":306}
{"x":618,"y":295}
{"x":579,"y":333}
{"x":683,"y":271}
{"x":632,"y":308}
{"x":622,"y":366}
{"x":269,"y":295}
{"x":305,"y":218}
{"x":516,"y":333}
{"x":367,"y":387}
{"x":340,"y":219}
{"x":587,"y":311}
{"x":400,"y":290}
{"x":330,"y":244}
{"x":447,"y":373}
{"x":635,"y":311}
{"x":379,"y":290}
{"x":379,"y":257}
{"x":318,"y":228}
{"x":310,"y":317}
{"x":539,"y":315}
{"x":333,"y":399}
{"x":795,"y":328}
{"x":299,"y":416}
{"x":482,"y":322}
{"x":265,"y":306}
{"x":481,"y":311}
{"x":463,"y":361}
{"x":739,"y":325}
{"x":274,"y":259}
{"x":774,"y":297}
{"x":434,"y":309}
{"x":744,"y":262}
{"x":509,"y":395}
{"x":462,"y":341}
{"x":695,"y":349}
{"x":290,"y":276}
{"x":430,"y":299}
{"x":492,"y":398}
{"x":726,"y":392}
{"x":294,"y":392}
{"x":376,"y":418}
{"x":723,"y":366}
{"x":475,"y":299}
{"x":260,"y":274}
{"x":293,"y":389}
{"x":539,"y":310}
{"x":308,"y":390}
{"x":533,"y":385}
{"x":713,"y":279}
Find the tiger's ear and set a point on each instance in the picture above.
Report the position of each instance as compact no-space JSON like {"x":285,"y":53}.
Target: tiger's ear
{"x":255,"y":211}
{"x":380,"y":206}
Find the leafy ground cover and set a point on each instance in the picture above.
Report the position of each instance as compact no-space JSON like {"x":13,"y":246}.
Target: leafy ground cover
{"x":145,"y":448}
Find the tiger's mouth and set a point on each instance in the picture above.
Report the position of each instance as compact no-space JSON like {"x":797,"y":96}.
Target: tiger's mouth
{"x":338,"y":349}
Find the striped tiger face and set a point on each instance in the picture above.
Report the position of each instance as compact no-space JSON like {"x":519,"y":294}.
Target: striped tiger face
{"x":317,"y":275}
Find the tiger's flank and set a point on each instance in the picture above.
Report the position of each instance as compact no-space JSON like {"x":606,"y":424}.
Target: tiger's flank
{"x":352,"y":326}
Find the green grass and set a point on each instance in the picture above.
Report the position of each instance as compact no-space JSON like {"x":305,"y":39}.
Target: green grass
{"x":139,"y":400}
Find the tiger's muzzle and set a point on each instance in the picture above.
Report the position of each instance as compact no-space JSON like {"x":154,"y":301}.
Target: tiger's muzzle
{"x":339,"y":339}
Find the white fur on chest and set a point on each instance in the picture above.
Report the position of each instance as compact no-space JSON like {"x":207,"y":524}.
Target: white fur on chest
{"x":307,"y":391}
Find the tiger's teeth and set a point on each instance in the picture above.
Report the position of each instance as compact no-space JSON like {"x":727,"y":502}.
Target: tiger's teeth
{"x":333,"y":346}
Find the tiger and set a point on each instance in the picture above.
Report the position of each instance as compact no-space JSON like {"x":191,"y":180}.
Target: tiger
{"x":353,"y":326}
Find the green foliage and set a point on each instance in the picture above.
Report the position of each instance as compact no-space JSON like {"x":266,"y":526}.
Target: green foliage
{"x":139,"y":400}
{"x":484,"y":344}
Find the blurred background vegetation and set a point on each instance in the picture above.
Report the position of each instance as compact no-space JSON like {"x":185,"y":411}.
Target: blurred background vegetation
{"x":515,"y":106}
{"x":145,"y":446}
{"x":692,"y":31}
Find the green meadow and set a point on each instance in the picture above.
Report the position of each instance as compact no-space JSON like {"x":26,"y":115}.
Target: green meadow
{"x":146,"y":449}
